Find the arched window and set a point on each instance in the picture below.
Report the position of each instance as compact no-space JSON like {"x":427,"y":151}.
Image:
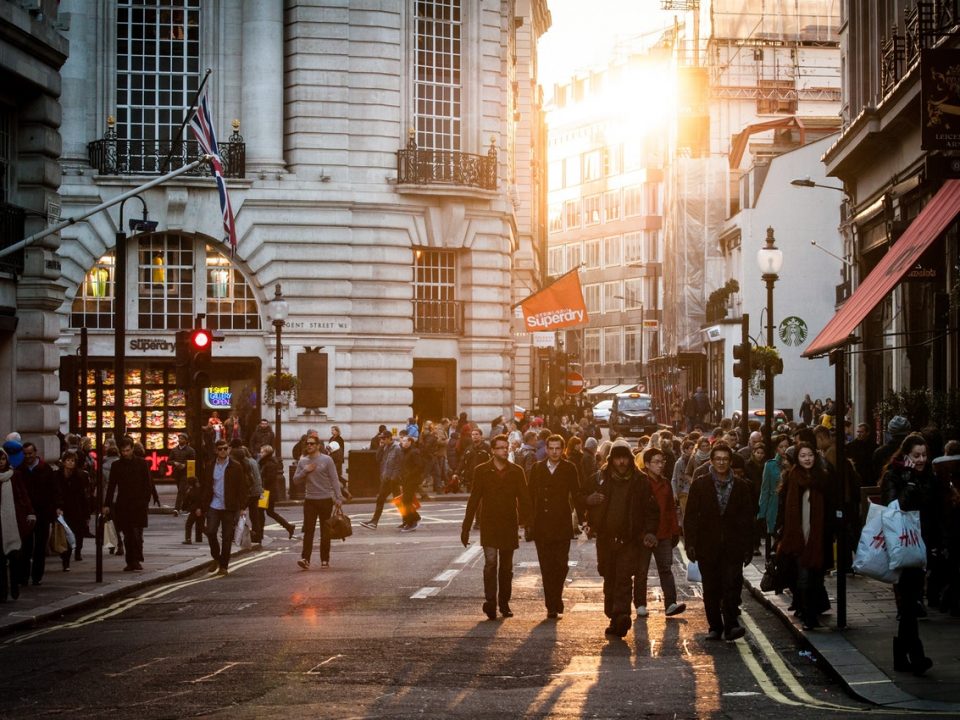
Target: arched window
{"x":177,"y":276}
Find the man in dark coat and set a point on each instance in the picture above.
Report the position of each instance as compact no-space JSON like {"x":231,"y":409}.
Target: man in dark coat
{"x":224,"y":492}
{"x":179,"y":456}
{"x":262,"y":435}
{"x":624,"y":514}
{"x":499,"y":492}
{"x":477,"y":453}
{"x":717,"y":531}
{"x":41,"y":485}
{"x":130,"y":480}
{"x":411,"y":475}
{"x":554,"y":488}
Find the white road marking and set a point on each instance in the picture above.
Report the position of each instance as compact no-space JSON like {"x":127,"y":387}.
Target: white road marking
{"x":467,"y":555}
{"x":136,"y":667}
{"x":424,"y":592}
{"x":447,"y":575}
{"x":313,"y":670}
{"x":207,"y":678}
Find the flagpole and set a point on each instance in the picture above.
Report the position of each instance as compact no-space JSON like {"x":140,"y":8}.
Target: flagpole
{"x":186,"y":119}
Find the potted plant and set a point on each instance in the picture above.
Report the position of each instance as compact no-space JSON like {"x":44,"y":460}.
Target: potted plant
{"x":286,"y":385}
{"x":762,"y":356}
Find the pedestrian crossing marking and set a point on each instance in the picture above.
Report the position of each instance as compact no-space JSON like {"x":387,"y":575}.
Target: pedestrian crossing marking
{"x":424,"y":592}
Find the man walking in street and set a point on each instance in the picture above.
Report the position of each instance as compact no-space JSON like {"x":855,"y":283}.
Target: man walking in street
{"x":321,"y":492}
{"x":389,"y":459}
{"x":411,"y":475}
{"x":130,"y":480}
{"x":477,"y":453}
{"x":224,"y":491}
{"x":499,"y":492}
{"x":623,"y":513}
{"x":178,"y":460}
{"x":38,"y":477}
{"x":554,"y":488}
{"x":718,"y":535}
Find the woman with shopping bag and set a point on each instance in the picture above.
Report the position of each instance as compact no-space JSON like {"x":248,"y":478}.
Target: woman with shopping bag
{"x":72,"y":482}
{"x":909,"y":479}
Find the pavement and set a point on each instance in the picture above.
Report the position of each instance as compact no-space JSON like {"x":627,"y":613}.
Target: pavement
{"x":860,"y":656}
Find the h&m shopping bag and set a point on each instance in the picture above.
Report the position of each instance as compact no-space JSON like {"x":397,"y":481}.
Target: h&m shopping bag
{"x":872,"y":559}
{"x":901,"y":530}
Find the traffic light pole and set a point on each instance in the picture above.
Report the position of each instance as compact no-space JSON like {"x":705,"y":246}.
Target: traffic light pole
{"x":745,"y":380}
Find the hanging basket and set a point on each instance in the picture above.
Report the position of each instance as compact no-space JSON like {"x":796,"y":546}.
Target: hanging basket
{"x":286,"y":385}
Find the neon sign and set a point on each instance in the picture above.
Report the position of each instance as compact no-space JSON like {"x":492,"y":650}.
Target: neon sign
{"x":217,"y":398}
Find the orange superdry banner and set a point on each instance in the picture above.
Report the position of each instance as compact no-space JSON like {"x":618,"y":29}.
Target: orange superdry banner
{"x":557,"y":306}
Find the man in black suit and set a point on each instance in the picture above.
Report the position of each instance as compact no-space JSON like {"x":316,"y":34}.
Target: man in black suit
{"x":554,"y":490}
{"x":717,"y":530}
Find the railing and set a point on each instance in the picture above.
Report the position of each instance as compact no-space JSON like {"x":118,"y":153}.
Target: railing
{"x":925,"y":23}
{"x":891,"y":62}
{"x":446,"y":167}
{"x":438,"y":317}
{"x":115,"y":156}
{"x":11,"y":231}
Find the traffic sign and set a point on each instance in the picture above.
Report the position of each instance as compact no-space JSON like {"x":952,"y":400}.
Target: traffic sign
{"x":574,"y":383}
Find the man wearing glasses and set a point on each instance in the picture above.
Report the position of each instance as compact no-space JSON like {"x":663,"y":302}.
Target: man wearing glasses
{"x":717,"y":531}
{"x":499,"y":493}
{"x":224,"y":493}
{"x":318,"y":473}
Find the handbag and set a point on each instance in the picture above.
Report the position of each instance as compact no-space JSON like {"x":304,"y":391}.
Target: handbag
{"x":241,"y":534}
{"x":264,"y":501}
{"x":339,"y":525}
{"x":769,"y":581}
{"x":57,"y":542}
{"x":871,"y":559}
{"x":693,"y":573}
{"x":110,"y":539}
{"x":901,"y":531}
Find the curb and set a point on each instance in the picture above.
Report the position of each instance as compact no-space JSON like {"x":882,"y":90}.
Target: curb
{"x":855,"y":671}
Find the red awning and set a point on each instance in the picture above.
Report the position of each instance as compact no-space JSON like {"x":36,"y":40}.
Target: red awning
{"x":935,"y":217}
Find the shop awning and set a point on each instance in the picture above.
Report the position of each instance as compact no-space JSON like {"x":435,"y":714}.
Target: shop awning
{"x":599,"y":390}
{"x":935,"y":217}
{"x":616,"y":389}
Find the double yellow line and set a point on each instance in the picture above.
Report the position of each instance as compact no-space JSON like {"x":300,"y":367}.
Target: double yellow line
{"x":125,"y":604}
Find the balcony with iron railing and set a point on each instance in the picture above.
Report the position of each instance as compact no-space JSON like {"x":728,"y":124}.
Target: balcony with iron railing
{"x":417,"y":166}
{"x":11,"y":231}
{"x":112,"y":155}
{"x":438,"y":317}
{"x":925,"y":22}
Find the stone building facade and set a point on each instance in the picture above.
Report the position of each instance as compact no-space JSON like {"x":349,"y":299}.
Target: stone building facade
{"x":379,"y":168}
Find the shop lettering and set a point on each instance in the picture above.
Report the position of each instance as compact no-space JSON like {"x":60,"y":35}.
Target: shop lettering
{"x":152,"y":344}
{"x":333,"y":324}
{"x":218,"y":397}
{"x":553,"y":317}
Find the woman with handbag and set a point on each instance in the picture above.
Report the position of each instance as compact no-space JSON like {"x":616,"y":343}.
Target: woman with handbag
{"x":72,"y":484}
{"x":270,"y":472}
{"x":807,"y":540}
{"x":908,"y":478}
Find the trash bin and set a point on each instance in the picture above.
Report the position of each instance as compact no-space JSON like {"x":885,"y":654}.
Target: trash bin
{"x":363,"y":473}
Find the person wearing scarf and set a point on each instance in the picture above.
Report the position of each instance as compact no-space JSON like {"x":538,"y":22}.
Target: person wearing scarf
{"x":16,"y":522}
{"x":718,"y":535}
{"x":807,"y":539}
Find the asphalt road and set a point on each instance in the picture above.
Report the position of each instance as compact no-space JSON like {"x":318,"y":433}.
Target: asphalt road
{"x":394,"y":629}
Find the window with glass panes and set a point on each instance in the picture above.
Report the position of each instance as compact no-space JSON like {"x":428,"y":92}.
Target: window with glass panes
{"x":612,"y":253}
{"x":632,"y":247}
{"x":591,"y":253}
{"x":555,"y":218}
{"x":591,"y":297}
{"x":631,"y":343}
{"x":555,"y":256}
{"x":93,"y":304}
{"x":639,"y":291}
{"x":438,"y":83}
{"x":231,"y":304}
{"x":573,"y":255}
{"x":611,"y":205}
{"x":612,"y":160}
{"x":158,"y":72}
{"x":651,"y":246}
{"x":612,"y":345}
{"x":165,"y":274}
{"x":435,"y":275}
{"x":591,"y":165}
{"x":632,"y":201}
{"x":571,"y":213}
{"x":591,"y":345}
{"x":612,"y":292}
{"x":591,"y":210}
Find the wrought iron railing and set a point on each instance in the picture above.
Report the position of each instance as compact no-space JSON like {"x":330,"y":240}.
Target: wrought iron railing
{"x":891,"y":62}
{"x":112,"y":155}
{"x":446,"y":167}
{"x":11,"y":231}
{"x":438,"y":317}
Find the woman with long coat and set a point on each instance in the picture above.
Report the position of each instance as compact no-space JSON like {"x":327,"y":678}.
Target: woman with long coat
{"x":807,"y":539}
{"x":72,"y":483}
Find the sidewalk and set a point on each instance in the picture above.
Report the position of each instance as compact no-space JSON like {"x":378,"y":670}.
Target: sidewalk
{"x":861,"y":656}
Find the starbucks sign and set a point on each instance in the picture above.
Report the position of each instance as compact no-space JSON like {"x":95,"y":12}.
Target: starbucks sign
{"x":792,"y":331}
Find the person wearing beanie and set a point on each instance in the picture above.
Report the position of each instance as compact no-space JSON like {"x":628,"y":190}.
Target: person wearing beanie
{"x":623,"y":513}
{"x":898,"y":428}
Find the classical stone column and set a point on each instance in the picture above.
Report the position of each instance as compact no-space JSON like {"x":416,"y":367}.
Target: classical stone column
{"x":79,"y":85}
{"x":263,"y":85}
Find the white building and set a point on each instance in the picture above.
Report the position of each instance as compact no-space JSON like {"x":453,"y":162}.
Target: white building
{"x":380,"y":171}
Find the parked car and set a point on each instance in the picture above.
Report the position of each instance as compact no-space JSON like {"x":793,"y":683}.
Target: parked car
{"x":779,"y":416}
{"x":632,"y":414}
{"x":601,"y":412}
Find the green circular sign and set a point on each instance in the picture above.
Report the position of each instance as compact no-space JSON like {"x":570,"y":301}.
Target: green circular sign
{"x":793,"y":330}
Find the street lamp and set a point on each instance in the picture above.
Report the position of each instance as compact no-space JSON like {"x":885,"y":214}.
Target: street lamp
{"x":807,"y":182}
{"x":277,"y":311}
{"x":770,"y":260}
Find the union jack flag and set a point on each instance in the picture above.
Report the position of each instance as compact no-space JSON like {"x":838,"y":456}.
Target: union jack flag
{"x":202,"y":125}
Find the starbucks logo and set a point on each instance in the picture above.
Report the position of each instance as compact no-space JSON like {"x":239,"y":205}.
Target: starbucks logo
{"x":793,"y":330}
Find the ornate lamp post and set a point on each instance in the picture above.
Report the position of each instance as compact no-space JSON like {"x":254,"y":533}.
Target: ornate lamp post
{"x":770,"y":260}
{"x":277,"y":311}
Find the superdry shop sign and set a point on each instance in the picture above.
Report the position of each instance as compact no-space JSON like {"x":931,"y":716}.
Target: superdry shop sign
{"x":558,"y":305}
{"x":940,"y":99}
{"x":151,"y":345}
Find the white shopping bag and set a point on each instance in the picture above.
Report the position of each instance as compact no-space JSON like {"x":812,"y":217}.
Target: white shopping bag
{"x":71,"y":538}
{"x":901,"y":530}
{"x":693,"y":573}
{"x":110,"y":539}
{"x":872,"y":559}
{"x":241,"y":533}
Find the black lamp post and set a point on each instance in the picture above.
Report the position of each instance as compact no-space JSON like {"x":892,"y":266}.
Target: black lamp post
{"x":770,"y":260}
{"x":278,"y":309}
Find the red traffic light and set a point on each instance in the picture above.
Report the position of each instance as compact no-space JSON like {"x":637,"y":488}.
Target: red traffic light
{"x":201,"y":339}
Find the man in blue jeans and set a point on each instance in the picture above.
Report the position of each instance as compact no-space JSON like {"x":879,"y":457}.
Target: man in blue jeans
{"x":390,"y":459}
{"x":318,"y":473}
{"x":224,"y":493}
